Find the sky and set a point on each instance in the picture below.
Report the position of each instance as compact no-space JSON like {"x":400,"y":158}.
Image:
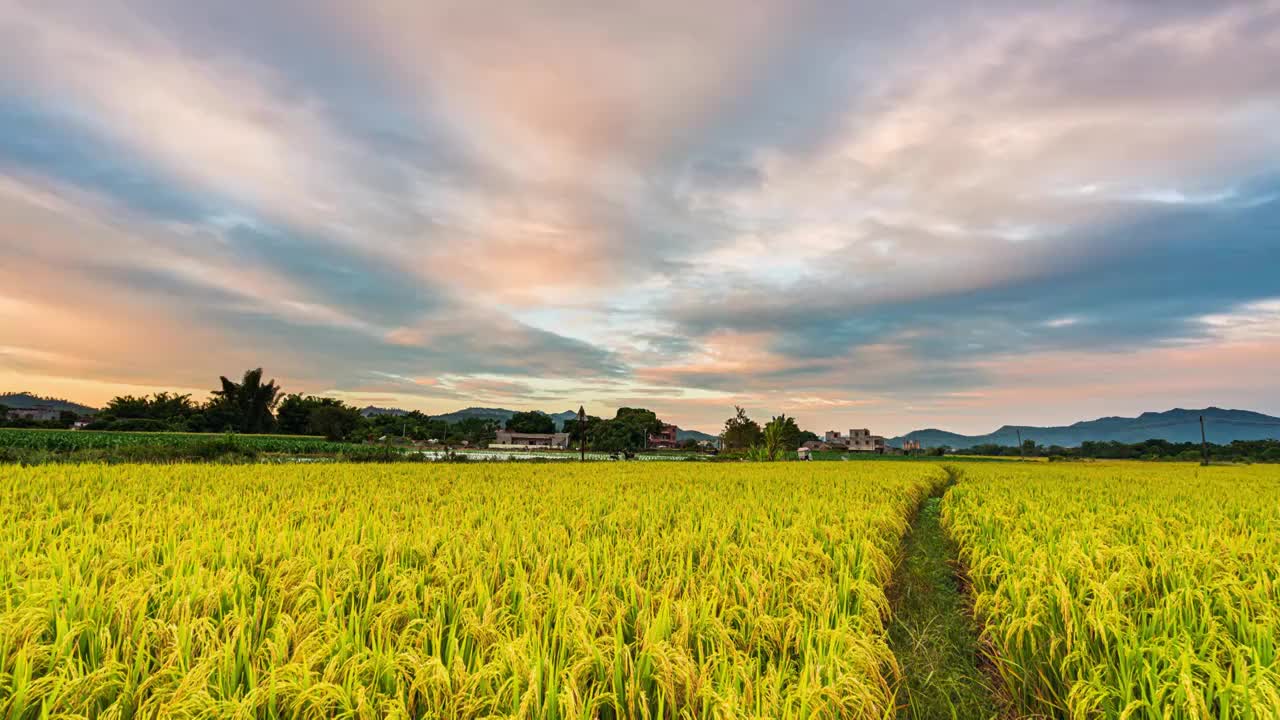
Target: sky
{"x":900,"y":215}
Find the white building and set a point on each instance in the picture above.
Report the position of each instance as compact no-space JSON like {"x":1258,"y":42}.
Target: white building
{"x":863,"y":441}
{"x":858,"y":440}
{"x":508,"y":440}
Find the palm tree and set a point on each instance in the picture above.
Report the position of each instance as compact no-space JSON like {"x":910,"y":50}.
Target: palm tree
{"x":250,"y":401}
{"x":771,"y":447}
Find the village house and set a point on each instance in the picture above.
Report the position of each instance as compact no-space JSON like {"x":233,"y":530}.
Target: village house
{"x":860,"y":440}
{"x":510,"y":440}
{"x":668,"y":436}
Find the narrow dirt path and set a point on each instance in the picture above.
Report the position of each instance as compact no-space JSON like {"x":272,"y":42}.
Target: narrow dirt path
{"x":932,"y":633}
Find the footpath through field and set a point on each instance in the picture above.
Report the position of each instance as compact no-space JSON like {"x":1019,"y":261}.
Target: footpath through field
{"x":933,"y":634}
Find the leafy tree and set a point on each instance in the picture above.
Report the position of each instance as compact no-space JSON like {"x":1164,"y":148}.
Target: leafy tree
{"x":163,"y":406}
{"x":788,"y":432}
{"x":296,"y":414}
{"x":641,"y":422}
{"x":215,"y":416}
{"x":293,"y":414}
{"x":475,"y":431}
{"x":127,"y":406}
{"x":613,"y":436}
{"x":741,"y":431}
{"x":531,"y":422}
{"x":771,"y":446}
{"x":628,"y":430}
{"x":335,"y":420}
{"x":575,"y":435}
{"x":248,"y":404}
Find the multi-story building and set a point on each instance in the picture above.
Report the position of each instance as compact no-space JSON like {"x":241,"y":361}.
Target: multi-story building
{"x":863,"y":441}
{"x":668,"y":436}
{"x":859,"y":440}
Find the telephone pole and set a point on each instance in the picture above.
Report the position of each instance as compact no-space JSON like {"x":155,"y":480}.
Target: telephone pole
{"x":1204,"y":444}
{"x":582,"y":434}
{"x":1021,"y":452}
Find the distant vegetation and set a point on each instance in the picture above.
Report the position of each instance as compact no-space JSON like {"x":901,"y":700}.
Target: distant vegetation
{"x":1179,"y":425}
{"x":1238,"y":451}
{"x":38,"y":446}
{"x":253,"y":406}
{"x":255,"y":416}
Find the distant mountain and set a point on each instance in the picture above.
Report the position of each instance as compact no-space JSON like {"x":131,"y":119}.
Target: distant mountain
{"x":372,"y":411}
{"x":1178,"y":425}
{"x":562,"y":417}
{"x":23,"y":400}
{"x":683,"y":435}
{"x":501,"y":415}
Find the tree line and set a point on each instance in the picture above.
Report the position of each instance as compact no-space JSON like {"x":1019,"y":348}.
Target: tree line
{"x":1154,"y":449}
{"x":253,"y":405}
{"x":769,"y":442}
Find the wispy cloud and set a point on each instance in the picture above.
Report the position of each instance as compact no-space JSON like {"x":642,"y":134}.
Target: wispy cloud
{"x":903,"y":215}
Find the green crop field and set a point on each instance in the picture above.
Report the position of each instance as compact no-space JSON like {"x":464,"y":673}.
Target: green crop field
{"x":1126,"y":590}
{"x":72,"y":440}
{"x":634,"y":590}
{"x":450,"y":591}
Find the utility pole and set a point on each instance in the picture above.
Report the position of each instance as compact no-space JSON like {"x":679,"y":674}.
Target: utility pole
{"x":1021,"y":451}
{"x":1204,"y":444}
{"x":582,"y":434}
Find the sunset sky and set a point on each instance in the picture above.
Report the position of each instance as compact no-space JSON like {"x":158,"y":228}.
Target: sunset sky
{"x":890,"y":215}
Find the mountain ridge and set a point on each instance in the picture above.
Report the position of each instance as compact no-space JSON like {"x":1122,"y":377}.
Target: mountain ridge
{"x":1177,"y":425}
{"x":26,"y":401}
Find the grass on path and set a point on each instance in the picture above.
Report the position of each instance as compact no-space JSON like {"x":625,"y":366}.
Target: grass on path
{"x":933,"y":634}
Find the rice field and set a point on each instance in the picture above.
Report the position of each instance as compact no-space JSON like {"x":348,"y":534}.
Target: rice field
{"x":451,"y":591}
{"x":73,"y":440}
{"x":686,"y":590}
{"x":1126,"y":590}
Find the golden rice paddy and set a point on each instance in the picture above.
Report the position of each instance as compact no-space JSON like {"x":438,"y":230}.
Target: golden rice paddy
{"x":1108,"y":590}
{"x":447,"y":591}
{"x":1126,"y":590}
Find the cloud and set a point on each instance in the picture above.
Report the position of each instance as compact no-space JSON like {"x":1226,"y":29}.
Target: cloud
{"x":187,"y":302}
{"x":843,"y":209}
